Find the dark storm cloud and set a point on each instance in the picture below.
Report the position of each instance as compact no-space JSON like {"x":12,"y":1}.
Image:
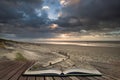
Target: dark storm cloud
{"x":8,"y":12}
{"x":19,"y":16}
{"x":91,"y":14}
{"x":18,"y":9}
{"x":95,"y":9}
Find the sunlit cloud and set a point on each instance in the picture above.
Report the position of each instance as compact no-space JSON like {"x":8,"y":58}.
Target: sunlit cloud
{"x":64,"y":2}
{"x":52,"y":8}
{"x":68,"y":2}
{"x":53,"y":26}
{"x":45,"y":7}
{"x":63,"y":36}
{"x":71,"y":2}
{"x":60,"y":14}
{"x":66,"y":35}
{"x":83,"y":31}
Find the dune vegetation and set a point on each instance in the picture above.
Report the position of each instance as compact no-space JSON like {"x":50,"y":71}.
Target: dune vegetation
{"x":20,"y":57}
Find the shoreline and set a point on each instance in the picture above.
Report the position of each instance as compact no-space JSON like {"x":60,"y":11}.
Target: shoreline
{"x":69,"y":43}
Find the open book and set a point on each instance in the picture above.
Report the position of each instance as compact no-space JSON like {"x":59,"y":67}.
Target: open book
{"x":73,"y":71}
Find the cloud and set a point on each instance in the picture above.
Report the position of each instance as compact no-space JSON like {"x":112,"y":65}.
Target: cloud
{"x":17,"y":9}
{"x":53,"y":26}
{"x":95,"y":9}
{"x":65,"y":3}
{"x":89,"y":14}
{"x":38,"y":16}
{"x":45,"y":7}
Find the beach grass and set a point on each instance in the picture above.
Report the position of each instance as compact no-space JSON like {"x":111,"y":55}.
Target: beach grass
{"x":20,"y":57}
{"x":2,"y":45}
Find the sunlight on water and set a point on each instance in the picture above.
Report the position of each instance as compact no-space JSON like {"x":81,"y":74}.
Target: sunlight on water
{"x":82,"y":43}
{"x":62,"y":42}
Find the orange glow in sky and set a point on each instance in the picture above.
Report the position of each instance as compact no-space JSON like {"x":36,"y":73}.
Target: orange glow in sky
{"x":53,"y":26}
{"x":65,"y":36}
{"x":68,"y":2}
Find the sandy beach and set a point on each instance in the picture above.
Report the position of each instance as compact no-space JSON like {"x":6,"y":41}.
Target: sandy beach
{"x":54,"y":53}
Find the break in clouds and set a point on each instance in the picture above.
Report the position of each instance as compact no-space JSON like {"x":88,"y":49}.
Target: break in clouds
{"x":71,"y":17}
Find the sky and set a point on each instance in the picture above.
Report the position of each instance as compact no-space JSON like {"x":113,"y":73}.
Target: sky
{"x":60,"y":19}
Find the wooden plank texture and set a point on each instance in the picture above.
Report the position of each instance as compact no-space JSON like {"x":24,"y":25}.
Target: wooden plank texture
{"x":40,"y":78}
{"x":13,"y":70}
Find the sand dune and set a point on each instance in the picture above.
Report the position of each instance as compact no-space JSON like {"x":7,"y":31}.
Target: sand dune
{"x":46,"y":53}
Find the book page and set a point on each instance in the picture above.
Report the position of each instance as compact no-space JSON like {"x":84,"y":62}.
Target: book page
{"x":43,"y":72}
{"x":39,"y":69}
{"x":81,"y":71}
{"x":84,"y":68}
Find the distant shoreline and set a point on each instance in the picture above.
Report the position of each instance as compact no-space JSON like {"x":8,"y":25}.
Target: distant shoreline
{"x":87,"y":41}
{"x":71,"y":43}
